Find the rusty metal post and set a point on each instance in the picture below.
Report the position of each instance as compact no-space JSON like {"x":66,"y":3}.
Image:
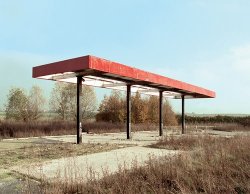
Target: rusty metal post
{"x":78,"y":109}
{"x":183,"y":125}
{"x":128,"y":111}
{"x":160,"y":113}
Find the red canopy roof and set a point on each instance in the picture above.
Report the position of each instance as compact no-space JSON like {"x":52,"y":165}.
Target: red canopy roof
{"x":104,"y":73}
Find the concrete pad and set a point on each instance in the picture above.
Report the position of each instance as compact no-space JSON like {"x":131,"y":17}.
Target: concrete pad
{"x":141,"y":138}
{"x":83,"y":168}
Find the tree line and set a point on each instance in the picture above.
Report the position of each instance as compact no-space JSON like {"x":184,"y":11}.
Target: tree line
{"x":29,"y":106}
{"x":23,"y":106}
{"x":143,"y":109}
{"x":244,"y":121}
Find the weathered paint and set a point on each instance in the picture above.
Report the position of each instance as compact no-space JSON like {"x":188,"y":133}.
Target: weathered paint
{"x":123,"y":72}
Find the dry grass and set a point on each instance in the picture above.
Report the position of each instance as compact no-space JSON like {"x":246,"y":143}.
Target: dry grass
{"x":41,"y":152}
{"x":10,"y":129}
{"x":47,"y":128}
{"x":219,"y":165}
{"x":36,"y":150}
{"x":230,"y":127}
{"x":183,"y":142}
{"x":108,"y":127}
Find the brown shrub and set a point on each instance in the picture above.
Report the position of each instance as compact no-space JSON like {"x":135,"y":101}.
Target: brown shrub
{"x":231,"y":127}
{"x":14,"y":129}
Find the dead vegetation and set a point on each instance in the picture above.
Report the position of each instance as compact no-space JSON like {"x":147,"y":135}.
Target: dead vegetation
{"x":15,"y":129}
{"x":181,"y":143}
{"x":31,"y":152}
{"x":11,"y":129}
{"x":188,"y":142}
{"x":18,"y":129}
{"x":218,"y":165}
{"x":230,"y":127}
{"x":208,"y":164}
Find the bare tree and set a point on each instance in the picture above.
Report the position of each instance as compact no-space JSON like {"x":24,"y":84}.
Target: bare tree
{"x":88,"y":102}
{"x":36,"y":103}
{"x":21,"y":106}
{"x":63,"y":101}
{"x":17,"y":103}
{"x":59,"y":100}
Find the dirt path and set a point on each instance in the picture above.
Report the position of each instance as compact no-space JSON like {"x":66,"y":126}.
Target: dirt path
{"x":84,"y":167}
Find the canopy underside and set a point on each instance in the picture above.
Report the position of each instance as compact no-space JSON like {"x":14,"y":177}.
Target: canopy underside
{"x":102,"y":73}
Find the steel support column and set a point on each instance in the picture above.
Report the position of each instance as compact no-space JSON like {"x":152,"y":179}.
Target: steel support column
{"x":128,"y":111}
{"x":78,"y":109}
{"x":160,"y":113}
{"x":183,"y":125}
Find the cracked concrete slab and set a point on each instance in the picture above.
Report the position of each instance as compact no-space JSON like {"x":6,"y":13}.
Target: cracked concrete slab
{"x":141,"y":138}
{"x":85,"y":167}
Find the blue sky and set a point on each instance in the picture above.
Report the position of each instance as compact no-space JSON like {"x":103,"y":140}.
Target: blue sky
{"x":203,"y":42}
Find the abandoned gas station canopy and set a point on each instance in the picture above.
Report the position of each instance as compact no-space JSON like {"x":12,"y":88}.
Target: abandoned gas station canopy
{"x":103,"y":73}
{"x":94,"y":71}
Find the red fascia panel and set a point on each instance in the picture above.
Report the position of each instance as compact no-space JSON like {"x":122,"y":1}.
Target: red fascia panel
{"x":70,"y":65}
{"x":106,"y":66}
{"x":140,"y":75}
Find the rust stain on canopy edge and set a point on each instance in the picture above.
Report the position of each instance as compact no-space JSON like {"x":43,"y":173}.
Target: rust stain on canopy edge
{"x":123,"y":71}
